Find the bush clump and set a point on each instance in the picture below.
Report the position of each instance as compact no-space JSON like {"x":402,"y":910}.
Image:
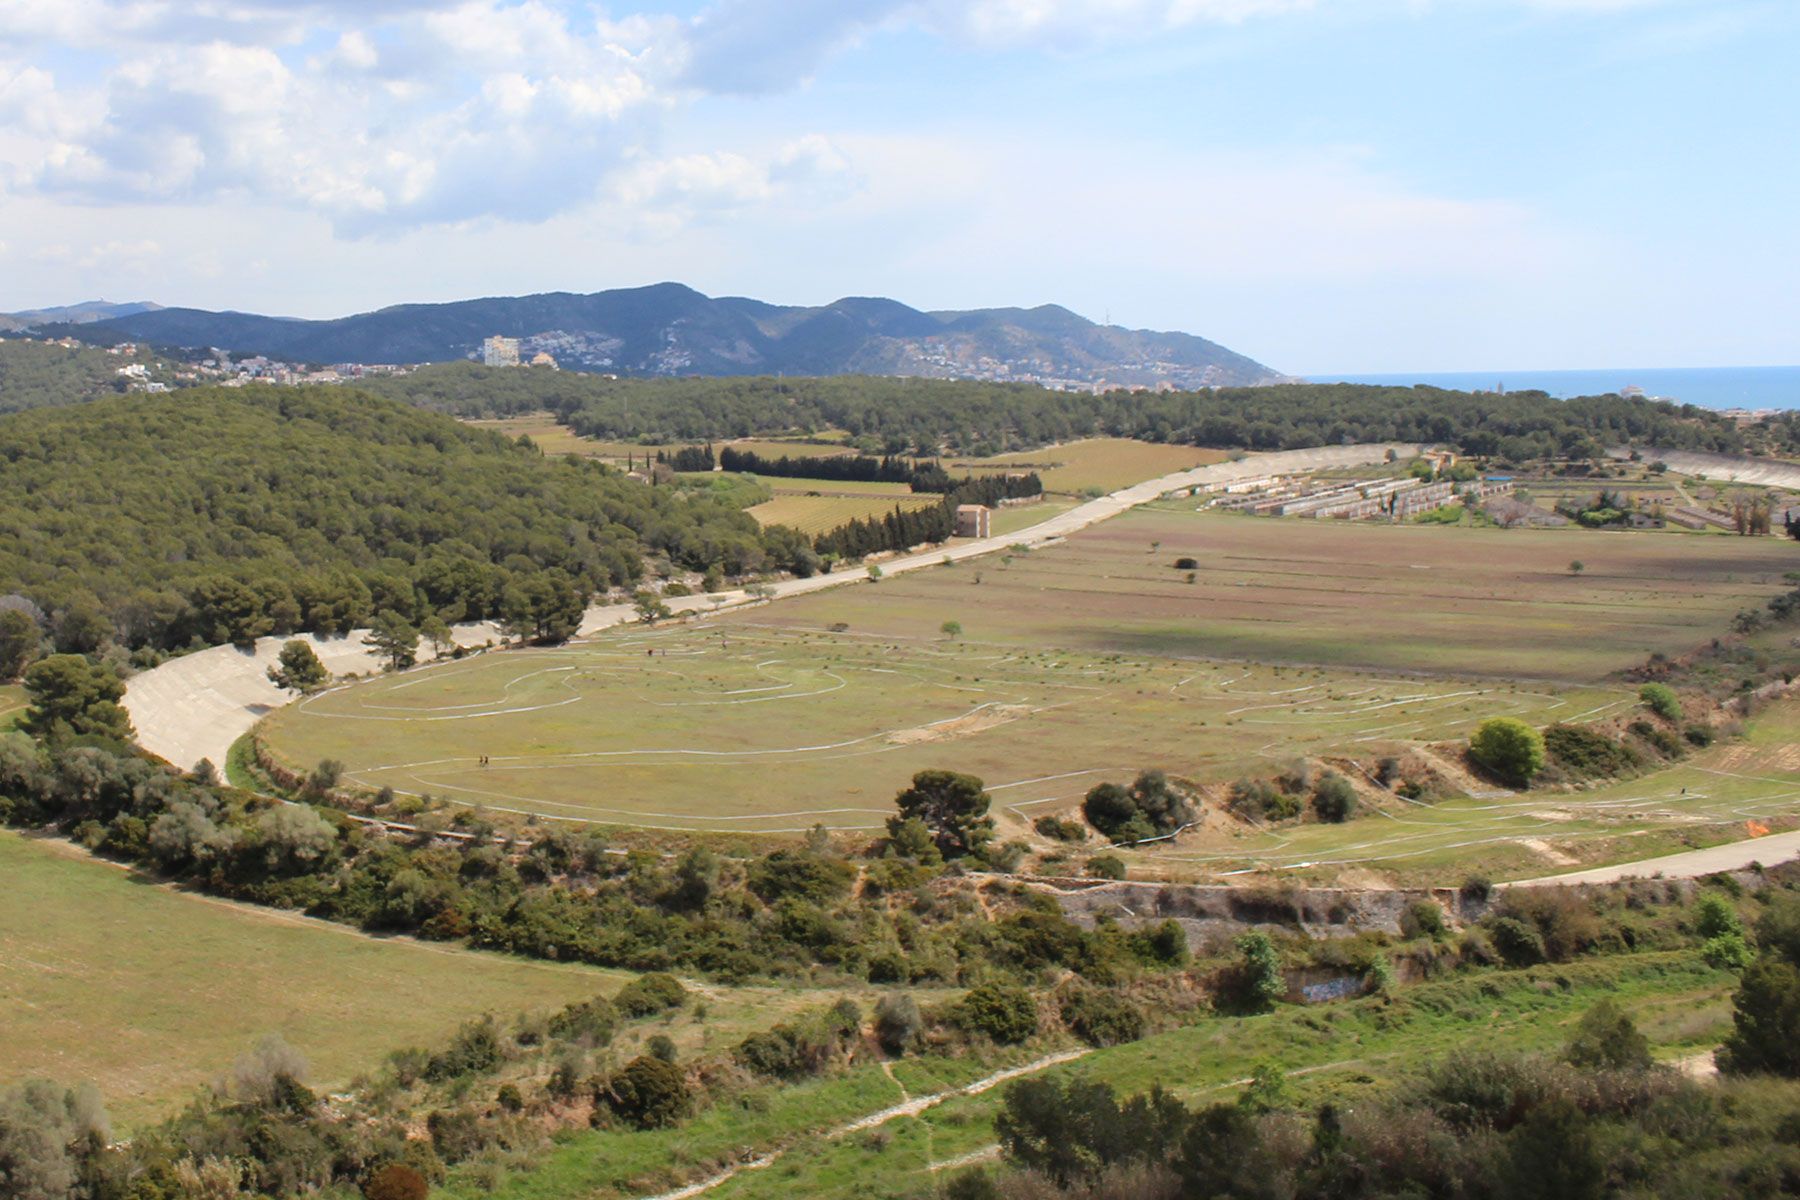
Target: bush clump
{"x":1008,"y":1015}
{"x":1334,"y":798}
{"x":1149,"y":808}
{"x":1059,"y":830}
{"x":1661,"y":699}
{"x":649,"y":1093}
{"x":1260,"y":800}
{"x":650,"y":994}
{"x":1102,"y":1018}
{"x":1582,"y":752}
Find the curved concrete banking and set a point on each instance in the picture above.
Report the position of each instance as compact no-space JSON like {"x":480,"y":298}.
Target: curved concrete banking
{"x":1726,"y":468}
{"x":1689,"y":864}
{"x":196,"y":706}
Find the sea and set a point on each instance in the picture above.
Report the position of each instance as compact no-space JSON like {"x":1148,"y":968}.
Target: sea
{"x":1708,"y":387}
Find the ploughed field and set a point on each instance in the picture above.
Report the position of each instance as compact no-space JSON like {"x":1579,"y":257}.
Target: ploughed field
{"x":1106,"y":464}
{"x":1491,"y":602}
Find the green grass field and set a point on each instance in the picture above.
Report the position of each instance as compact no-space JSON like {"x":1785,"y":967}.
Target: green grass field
{"x":148,"y":992}
{"x":1106,"y":464}
{"x":730,"y":727}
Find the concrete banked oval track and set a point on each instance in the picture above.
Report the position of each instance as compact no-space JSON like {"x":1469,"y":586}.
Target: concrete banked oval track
{"x":196,"y":706}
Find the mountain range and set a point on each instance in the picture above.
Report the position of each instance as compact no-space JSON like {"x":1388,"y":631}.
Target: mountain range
{"x":670,"y":329}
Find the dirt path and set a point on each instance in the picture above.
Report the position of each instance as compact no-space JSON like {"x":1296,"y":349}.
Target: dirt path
{"x":907,"y":1108}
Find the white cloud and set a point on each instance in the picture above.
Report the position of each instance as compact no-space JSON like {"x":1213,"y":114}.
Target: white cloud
{"x":658,"y":198}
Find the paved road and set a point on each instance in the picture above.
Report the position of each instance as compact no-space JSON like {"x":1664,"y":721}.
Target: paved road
{"x":196,"y":706}
{"x":1690,"y":864}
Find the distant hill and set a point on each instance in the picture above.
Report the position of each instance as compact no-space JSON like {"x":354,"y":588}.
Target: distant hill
{"x":670,"y":330}
{"x":84,"y":313}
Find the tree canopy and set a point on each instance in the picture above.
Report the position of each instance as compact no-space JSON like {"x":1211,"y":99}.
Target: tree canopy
{"x":952,"y":806}
{"x":226,"y":514}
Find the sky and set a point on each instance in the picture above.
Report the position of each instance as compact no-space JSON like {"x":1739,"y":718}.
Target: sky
{"x":1324,"y":185}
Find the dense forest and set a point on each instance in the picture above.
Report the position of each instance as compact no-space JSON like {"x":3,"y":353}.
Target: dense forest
{"x":224,"y":514}
{"x":43,"y":375}
{"x":926,"y":417}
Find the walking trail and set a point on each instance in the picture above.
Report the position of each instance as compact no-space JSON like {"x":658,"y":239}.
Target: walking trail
{"x":908,"y":1108}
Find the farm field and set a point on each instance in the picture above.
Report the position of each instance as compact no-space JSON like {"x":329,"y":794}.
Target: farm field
{"x":553,"y":438}
{"x":733,"y":727}
{"x":821,"y":514}
{"x":1104,"y":463}
{"x":182,"y":984}
{"x":1484,"y":602}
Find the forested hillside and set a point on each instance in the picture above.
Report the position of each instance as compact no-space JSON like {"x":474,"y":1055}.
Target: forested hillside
{"x":224,"y":514}
{"x":42,"y":375}
{"x":923,"y":416}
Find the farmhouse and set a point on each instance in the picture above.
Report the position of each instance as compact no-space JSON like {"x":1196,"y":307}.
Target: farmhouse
{"x":972,"y":520}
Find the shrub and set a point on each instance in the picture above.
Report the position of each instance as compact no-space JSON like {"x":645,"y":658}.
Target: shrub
{"x":1422,"y":918}
{"x":1187,"y":564}
{"x":1333,"y":798}
{"x":1060,"y":830}
{"x":1508,"y":747}
{"x":898,"y":1023}
{"x":508,"y":1098}
{"x":1713,"y":916}
{"x":1661,"y":699}
{"x":810,"y":877}
{"x":1106,"y":866}
{"x":1260,"y":800}
{"x":1699,"y":735}
{"x":1661,"y":740}
{"x":1164,"y":945}
{"x":1584,"y":752}
{"x":649,"y":994}
{"x":1102,"y":1018}
{"x":649,"y":1093}
{"x":395,"y":1181}
{"x":591,"y":1020}
{"x":1259,"y":970}
{"x":1006,"y":1014}
{"x":1476,"y":888}
{"x":887,"y":967}
{"x":1607,"y":1038}
{"x":1149,"y":808}
{"x":1518,"y":942}
{"x":1726,"y":952}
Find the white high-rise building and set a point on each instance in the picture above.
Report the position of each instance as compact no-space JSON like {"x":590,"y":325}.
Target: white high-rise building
{"x":500,"y":352}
